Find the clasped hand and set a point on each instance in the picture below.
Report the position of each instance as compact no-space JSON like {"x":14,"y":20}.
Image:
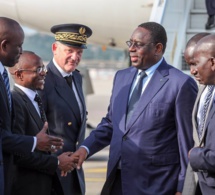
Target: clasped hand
{"x":70,"y":161}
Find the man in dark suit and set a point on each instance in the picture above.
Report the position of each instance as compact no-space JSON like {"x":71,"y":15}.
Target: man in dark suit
{"x":34,"y":174}
{"x":202,"y":157}
{"x":11,"y":39}
{"x":148,"y":124}
{"x":63,"y":96}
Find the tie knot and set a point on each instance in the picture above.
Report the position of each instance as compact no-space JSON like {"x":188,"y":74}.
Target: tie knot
{"x":37,"y":99}
{"x":210,"y":88}
{"x":142,"y":73}
{"x":5,"y":74}
{"x":69,"y":80}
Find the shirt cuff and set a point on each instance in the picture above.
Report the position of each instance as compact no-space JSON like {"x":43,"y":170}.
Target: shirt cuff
{"x":87,"y":149}
{"x":34,"y":145}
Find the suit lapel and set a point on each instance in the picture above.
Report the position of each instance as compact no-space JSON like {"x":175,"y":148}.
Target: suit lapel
{"x":122,"y":100}
{"x":79,"y":88}
{"x":207,"y":122}
{"x":32,"y":110}
{"x":156,"y":83}
{"x":208,"y":116}
{"x":194,"y":115}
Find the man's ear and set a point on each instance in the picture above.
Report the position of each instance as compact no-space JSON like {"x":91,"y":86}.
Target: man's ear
{"x":18,"y":74}
{"x":213,"y":64}
{"x":54,"y":47}
{"x":4,"y":44}
{"x":159,"y":49}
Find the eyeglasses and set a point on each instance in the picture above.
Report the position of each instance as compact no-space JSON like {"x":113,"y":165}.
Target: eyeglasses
{"x":38,"y":70}
{"x":136,"y":44}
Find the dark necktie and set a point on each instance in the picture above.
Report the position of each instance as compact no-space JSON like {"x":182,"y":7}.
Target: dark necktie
{"x":205,"y":109}
{"x":135,"y":96}
{"x":69,"y":80}
{"x":7,"y":86}
{"x":76,"y":108}
{"x":40,"y":105}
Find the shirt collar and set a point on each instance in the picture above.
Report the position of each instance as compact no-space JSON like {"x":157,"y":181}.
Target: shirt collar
{"x":1,"y":68}
{"x":62,"y":72}
{"x":30,"y":93}
{"x":151,"y":70}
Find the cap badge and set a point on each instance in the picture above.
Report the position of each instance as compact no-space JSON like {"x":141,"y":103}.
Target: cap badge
{"x":82,"y":30}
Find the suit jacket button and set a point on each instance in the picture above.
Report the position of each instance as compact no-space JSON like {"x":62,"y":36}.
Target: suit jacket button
{"x":69,"y":123}
{"x":124,"y":138}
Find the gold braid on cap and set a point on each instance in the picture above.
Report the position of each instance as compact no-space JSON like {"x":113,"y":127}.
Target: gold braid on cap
{"x":72,"y":37}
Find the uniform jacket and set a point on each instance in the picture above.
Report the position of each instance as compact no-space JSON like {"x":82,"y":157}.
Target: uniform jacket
{"x":36,"y":173}
{"x":60,"y":113}
{"x":153,"y":147}
{"x":9,"y":143}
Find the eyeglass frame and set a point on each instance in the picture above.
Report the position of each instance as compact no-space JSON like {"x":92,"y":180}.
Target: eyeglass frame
{"x":134,"y":44}
{"x":38,"y":70}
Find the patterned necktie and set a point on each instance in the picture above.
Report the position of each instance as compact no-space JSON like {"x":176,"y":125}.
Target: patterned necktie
{"x":40,"y":105}
{"x":205,"y":109}
{"x":7,"y":86}
{"x":135,"y":95}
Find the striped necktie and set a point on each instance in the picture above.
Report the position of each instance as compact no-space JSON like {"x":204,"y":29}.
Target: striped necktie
{"x":204,"y":110}
{"x":7,"y":86}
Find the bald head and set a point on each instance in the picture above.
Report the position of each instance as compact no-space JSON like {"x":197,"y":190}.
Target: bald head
{"x":29,"y":72}
{"x":26,"y":58}
{"x":193,"y":40}
{"x":204,"y":60}
{"x":8,"y":27}
{"x":206,"y":45}
{"x":188,"y":53}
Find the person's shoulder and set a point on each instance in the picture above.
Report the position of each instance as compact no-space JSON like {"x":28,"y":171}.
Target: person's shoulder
{"x":77,"y":72}
{"x":129,"y":69}
{"x":15,"y":92}
{"x":176,"y":72}
{"x":178,"y":76}
{"x":17,"y":97}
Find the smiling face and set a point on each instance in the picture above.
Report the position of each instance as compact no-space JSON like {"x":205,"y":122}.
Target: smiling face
{"x":32,"y":78}
{"x":143,"y":51}
{"x":67,"y":57}
{"x":26,"y":72}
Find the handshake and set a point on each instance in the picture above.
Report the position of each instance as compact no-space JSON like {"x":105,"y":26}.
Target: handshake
{"x":69,"y":161}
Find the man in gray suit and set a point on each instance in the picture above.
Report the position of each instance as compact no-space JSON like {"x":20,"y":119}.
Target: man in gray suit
{"x":63,"y":97}
{"x":191,"y":180}
{"x":202,"y":156}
